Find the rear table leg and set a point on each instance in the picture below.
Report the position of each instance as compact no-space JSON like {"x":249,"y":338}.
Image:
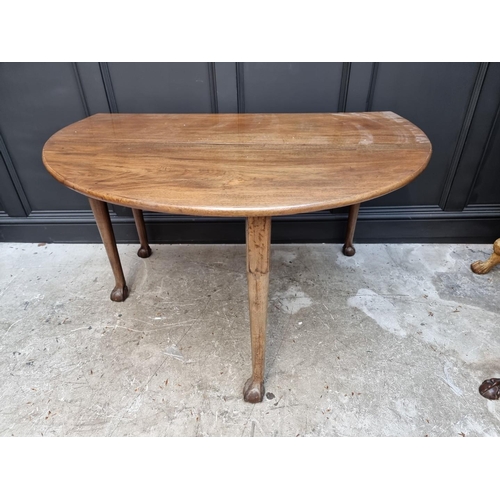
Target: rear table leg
{"x":145,"y":250}
{"x":101,"y":214}
{"x":348,"y":248}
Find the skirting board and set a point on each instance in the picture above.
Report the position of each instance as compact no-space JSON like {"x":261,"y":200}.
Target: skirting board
{"x":429,"y":224}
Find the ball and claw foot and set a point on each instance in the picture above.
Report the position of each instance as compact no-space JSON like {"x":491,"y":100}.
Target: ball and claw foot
{"x":144,"y":252}
{"x":119,"y":294}
{"x":483,"y":267}
{"x":253,"y":392}
{"x":490,"y":388}
{"x":348,"y":250}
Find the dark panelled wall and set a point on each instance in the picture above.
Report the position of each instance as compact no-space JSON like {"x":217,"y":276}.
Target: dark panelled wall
{"x":457,"y":199}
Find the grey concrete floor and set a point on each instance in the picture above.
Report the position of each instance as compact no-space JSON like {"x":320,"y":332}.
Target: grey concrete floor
{"x":394,"y":341}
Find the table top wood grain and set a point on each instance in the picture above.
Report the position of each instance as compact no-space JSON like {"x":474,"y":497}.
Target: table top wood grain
{"x":237,"y":164}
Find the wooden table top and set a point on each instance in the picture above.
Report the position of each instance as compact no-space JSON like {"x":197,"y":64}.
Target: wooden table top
{"x":237,"y":164}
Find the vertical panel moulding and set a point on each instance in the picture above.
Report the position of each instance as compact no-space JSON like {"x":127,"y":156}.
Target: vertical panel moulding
{"x":212,"y":80}
{"x":80,"y":90}
{"x":486,"y":151}
{"x":108,"y":87}
{"x":371,"y":88}
{"x":20,"y":207}
{"x":464,"y":132}
{"x":240,"y":87}
{"x":344,"y":87}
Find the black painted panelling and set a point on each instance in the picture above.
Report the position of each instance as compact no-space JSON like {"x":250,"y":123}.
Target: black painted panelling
{"x":479,"y":141}
{"x":36,"y":100}
{"x":371,"y":86}
{"x":435,"y":97}
{"x":359,"y":86}
{"x":212,"y":81}
{"x":79,"y":84}
{"x":487,"y":186}
{"x":227,"y":97}
{"x":161,"y":87}
{"x":396,"y":224}
{"x":291,"y":87}
{"x":464,"y":133}
{"x":108,"y":87}
{"x":92,"y":87}
{"x":344,"y":87}
{"x":15,"y":203}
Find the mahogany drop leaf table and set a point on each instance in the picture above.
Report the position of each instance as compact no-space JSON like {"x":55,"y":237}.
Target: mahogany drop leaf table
{"x":235,"y":165}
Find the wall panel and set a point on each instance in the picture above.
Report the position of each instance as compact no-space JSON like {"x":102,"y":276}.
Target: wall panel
{"x":289,"y":87}
{"x":434,"y":96}
{"x":162,"y":88}
{"x":36,"y":100}
{"x":456,"y":104}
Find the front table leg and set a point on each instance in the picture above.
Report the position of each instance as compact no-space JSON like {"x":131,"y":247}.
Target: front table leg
{"x":101,"y":214}
{"x":258,"y":236}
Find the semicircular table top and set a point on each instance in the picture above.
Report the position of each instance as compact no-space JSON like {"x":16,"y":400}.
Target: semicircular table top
{"x":237,"y":164}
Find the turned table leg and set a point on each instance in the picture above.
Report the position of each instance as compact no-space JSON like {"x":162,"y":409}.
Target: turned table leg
{"x":145,"y":250}
{"x":101,"y":214}
{"x":483,"y":267}
{"x":258,"y":236}
{"x":348,"y":249}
